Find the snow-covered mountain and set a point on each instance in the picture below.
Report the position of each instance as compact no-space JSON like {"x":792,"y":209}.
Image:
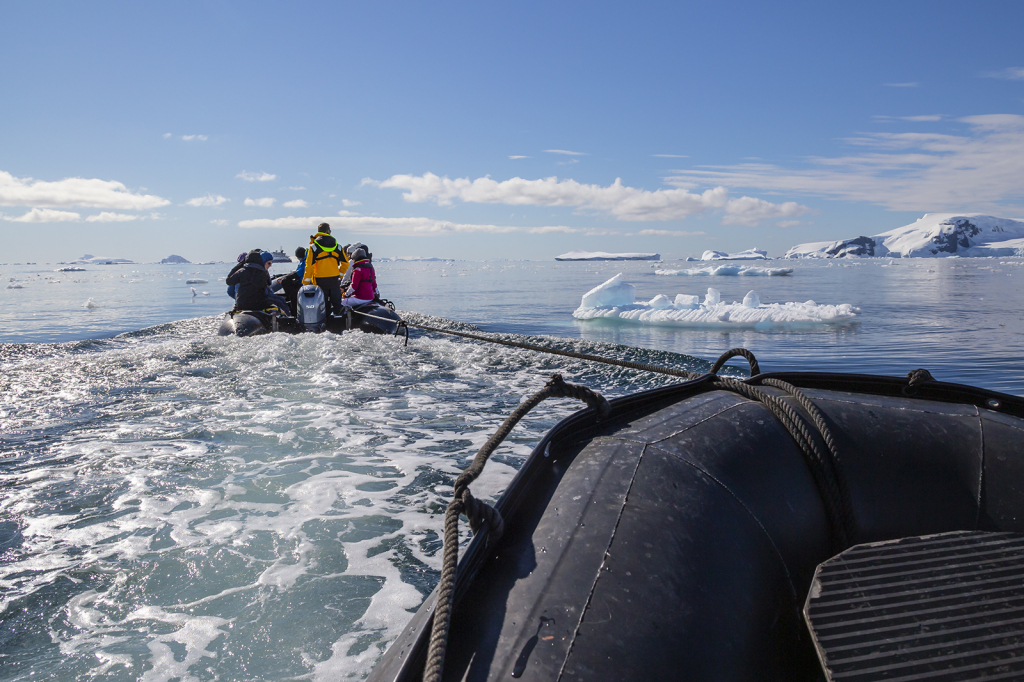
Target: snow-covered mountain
{"x":934,"y":235}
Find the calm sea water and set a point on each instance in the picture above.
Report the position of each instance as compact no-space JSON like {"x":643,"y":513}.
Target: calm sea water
{"x":182,"y":506}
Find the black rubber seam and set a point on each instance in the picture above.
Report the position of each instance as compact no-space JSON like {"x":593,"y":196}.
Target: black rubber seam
{"x":600,"y":569}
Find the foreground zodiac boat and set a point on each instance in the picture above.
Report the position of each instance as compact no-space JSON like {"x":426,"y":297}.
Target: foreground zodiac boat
{"x":374,"y":317}
{"x":690,"y":534}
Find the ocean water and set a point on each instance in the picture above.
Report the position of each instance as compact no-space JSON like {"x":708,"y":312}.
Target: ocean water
{"x":180,"y":506}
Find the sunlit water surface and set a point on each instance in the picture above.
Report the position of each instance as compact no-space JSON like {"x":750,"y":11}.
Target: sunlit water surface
{"x":182,"y":506}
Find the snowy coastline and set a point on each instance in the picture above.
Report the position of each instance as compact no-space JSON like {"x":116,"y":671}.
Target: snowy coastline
{"x":602,"y":255}
{"x":935,"y":235}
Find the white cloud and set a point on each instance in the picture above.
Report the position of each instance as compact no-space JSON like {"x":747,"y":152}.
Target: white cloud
{"x":668,"y":233}
{"x":789,"y":223}
{"x":221,"y":221}
{"x":625,"y":203}
{"x":265,"y":202}
{"x":256,"y":177}
{"x":916,"y":119}
{"x":166,"y":135}
{"x":295,"y":203}
{"x":297,"y":189}
{"x":902,"y":85}
{"x":979,"y":170}
{"x":750,"y":211}
{"x":520,"y":157}
{"x":108,"y":217}
{"x":45,"y":215}
{"x":194,"y":137}
{"x":565,"y":152}
{"x":208,"y":200}
{"x":349,"y":204}
{"x":400,"y":226}
{"x":670,"y":156}
{"x":91,"y":193}
{"x":1013,"y":73}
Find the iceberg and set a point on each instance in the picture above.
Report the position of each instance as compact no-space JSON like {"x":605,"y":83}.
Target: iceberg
{"x":176,"y":260}
{"x":933,"y":235}
{"x":616,"y":300}
{"x":729,"y":270}
{"x":749,"y":254}
{"x":602,"y":255}
{"x":89,"y":259}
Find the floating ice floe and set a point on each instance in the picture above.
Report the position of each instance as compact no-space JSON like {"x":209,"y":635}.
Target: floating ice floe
{"x":749,"y":254}
{"x":90,"y":304}
{"x":740,"y":270}
{"x":603,"y":255}
{"x":616,"y":299}
{"x":194,"y":292}
{"x":14,"y":285}
{"x":70,"y":270}
{"x":197,"y":281}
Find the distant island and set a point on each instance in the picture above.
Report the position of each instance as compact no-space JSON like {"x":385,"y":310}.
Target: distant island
{"x":601,"y":255}
{"x":933,"y":236}
{"x":176,"y":260}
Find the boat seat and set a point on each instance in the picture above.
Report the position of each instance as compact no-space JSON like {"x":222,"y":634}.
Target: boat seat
{"x":937,"y":607}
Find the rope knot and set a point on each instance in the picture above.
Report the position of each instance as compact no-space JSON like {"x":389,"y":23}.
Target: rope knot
{"x":480,"y":514}
{"x":919,"y":376}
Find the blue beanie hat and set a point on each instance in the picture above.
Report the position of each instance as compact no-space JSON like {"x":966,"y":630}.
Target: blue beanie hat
{"x":267,"y":257}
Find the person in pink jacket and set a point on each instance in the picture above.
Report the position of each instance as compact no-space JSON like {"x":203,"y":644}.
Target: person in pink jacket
{"x":363,"y":288}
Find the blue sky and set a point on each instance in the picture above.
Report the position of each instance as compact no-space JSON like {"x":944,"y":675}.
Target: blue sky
{"x":478,"y":130}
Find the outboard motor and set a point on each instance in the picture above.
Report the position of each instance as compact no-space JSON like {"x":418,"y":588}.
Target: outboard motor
{"x":312,"y":308}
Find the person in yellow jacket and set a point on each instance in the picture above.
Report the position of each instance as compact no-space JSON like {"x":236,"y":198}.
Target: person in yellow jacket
{"x":326,"y":262}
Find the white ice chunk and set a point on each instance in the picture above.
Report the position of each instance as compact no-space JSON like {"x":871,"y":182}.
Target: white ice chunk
{"x":612,"y":293}
{"x":751,"y":300}
{"x":660,"y":302}
{"x":714,"y":297}
{"x":687,"y":301}
{"x":749,"y":254}
{"x":90,"y":304}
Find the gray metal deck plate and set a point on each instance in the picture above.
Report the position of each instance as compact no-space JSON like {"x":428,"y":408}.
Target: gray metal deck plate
{"x":943,"y":607}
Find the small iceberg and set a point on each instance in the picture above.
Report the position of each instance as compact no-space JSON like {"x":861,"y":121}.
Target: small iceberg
{"x":616,"y":299}
{"x":602,"y":255}
{"x":90,"y":304}
{"x":14,"y":285}
{"x":70,"y":270}
{"x":749,"y":254}
{"x":197,"y":281}
{"x":728,"y":270}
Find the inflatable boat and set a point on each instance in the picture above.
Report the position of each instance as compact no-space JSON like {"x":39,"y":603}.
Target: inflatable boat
{"x":687,"y":536}
{"x":376,"y":317}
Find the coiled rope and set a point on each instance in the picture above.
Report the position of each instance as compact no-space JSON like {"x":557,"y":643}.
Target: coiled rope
{"x":824,"y":465}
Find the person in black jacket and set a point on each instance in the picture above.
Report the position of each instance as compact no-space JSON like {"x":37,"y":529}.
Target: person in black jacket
{"x":252,"y":283}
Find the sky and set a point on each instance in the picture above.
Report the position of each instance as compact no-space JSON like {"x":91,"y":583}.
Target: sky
{"x":486,"y":131}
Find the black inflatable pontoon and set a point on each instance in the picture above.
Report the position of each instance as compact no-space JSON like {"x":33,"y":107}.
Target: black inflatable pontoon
{"x":371,"y":318}
{"x":678,"y":538}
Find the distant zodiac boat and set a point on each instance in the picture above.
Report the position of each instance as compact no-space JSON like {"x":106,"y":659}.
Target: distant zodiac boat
{"x":679,"y":536}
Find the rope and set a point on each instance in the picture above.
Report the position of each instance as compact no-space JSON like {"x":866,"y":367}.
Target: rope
{"x":823,"y":464}
{"x":481,"y":513}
